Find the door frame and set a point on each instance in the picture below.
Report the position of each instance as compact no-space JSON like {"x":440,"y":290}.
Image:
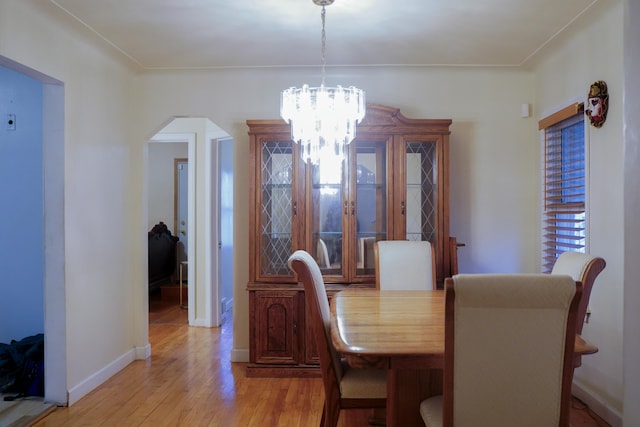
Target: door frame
{"x":190,"y":139}
{"x":54,"y":286}
{"x":177,"y":161}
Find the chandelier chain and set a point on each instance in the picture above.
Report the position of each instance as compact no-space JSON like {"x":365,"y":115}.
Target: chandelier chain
{"x":324,"y":44}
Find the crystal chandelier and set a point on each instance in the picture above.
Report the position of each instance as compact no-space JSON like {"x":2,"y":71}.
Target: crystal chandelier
{"x":323,"y":119}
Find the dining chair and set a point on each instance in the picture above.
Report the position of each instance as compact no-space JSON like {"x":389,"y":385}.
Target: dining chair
{"x":583,"y":268}
{"x":405,"y":265}
{"x":509,"y":342}
{"x":453,"y":256}
{"x":323,"y":254}
{"x":344,"y":387}
{"x":365,"y":252}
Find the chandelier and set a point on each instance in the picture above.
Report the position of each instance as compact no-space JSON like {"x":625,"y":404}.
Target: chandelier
{"x":322,"y":119}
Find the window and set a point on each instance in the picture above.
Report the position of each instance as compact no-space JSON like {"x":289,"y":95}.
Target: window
{"x":564,"y":220}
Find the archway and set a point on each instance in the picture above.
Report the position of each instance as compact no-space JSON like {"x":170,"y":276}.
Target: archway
{"x":205,"y":141}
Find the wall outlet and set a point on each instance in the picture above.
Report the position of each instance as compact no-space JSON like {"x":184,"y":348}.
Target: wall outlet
{"x":11,"y":122}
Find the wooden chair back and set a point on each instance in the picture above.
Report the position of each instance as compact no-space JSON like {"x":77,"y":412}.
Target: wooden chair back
{"x":317,"y":306}
{"x":319,"y":315}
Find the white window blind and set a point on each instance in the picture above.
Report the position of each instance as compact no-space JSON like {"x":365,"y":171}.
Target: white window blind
{"x":564,"y":221}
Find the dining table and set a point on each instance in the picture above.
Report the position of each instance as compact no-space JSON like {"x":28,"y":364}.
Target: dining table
{"x":402,"y":332}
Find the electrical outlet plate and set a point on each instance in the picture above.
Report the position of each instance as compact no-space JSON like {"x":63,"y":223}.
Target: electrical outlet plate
{"x":11,"y":122}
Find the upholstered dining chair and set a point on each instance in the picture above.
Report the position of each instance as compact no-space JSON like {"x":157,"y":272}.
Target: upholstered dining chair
{"x":583,"y":268}
{"x":323,"y":255}
{"x":509,"y":342}
{"x":405,"y":265}
{"x":344,"y":387}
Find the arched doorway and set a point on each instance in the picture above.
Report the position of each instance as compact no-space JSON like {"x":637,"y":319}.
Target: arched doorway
{"x":210,"y":195}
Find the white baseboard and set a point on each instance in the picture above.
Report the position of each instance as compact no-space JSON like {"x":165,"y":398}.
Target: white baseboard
{"x":80,"y":390}
{"x":604,"y":411}
{"x":200,"y":322}
{"x":143,"y":353}
{"x":240,"y":355}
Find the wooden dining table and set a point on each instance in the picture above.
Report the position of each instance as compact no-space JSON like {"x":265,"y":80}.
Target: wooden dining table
{"x":402,"y":332}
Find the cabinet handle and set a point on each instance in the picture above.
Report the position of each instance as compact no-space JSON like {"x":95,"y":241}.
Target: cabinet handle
{"x":295,"y":208}
{"x":353,"y":208}
{"x":295,"y":327}
{"x":402,"y":208}
{"x":346,"y":208}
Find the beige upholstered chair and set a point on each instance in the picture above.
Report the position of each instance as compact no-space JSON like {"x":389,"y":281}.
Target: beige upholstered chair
{"x":344,"y":387}
{"x":406,"y":265}
{"x":366,"y":257}
{"x":583,"y":268}
{"x":509,"y":342}
{"x":323,"y":254}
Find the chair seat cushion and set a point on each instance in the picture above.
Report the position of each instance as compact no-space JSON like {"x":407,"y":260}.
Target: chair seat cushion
{"x":364,"y":384}
{"x":431,"y":411}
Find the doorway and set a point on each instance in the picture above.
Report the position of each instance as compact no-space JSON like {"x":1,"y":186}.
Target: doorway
{"x":180,"y":203}
{"x":53,"y":254}
{"x":225,"y":224}
{"x":166,"y":153}
{"x":210,"y":195}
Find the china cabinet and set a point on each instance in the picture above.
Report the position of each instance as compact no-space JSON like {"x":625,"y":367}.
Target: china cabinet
{"x":393,"y":184}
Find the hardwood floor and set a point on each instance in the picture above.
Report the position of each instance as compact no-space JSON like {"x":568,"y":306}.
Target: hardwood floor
{"x":190,"y":381}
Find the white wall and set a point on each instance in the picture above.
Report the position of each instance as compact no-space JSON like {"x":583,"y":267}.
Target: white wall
{"x":631,"y":218}
{"x":494,"y":215}
{"x":104,"y":258}
{"x":563,"y":73}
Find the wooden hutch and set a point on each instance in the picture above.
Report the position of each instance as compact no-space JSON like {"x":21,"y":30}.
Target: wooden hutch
{"x":394,"y":184}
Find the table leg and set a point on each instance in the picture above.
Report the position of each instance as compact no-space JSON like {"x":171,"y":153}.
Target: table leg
{"x":406,"y":388}
{"x":392,"y":397}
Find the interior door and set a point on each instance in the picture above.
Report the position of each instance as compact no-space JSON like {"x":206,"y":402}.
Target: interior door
{"x":181,"y":206}
{"x":225,"y":245}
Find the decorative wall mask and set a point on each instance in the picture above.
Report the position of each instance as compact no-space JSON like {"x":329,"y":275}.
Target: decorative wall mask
{"x":598,"y":103}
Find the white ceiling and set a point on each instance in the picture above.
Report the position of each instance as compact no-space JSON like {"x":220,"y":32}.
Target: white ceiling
{"x":186,"y":34}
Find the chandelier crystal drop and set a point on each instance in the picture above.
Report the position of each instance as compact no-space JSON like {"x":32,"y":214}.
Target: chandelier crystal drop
{"x":323,"y":119}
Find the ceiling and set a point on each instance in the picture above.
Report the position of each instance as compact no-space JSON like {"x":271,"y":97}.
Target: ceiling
{"x":192,"y":34}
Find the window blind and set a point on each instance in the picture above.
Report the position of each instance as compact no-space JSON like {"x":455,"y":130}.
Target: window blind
{"x":564,"y":221}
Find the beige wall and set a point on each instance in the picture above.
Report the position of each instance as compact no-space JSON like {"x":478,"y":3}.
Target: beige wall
{"x":631,"y":367}
{"x":110,"y":113}
{"x":493,"y":215}
{"x":631,"y":105}
{"x":103,"y":223}
{"x":564,"y":73}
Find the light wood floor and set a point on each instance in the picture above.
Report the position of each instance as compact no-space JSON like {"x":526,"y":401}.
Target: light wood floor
{"x":190,"y":381}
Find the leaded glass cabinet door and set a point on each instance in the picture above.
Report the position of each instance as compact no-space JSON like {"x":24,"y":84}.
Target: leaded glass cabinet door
{"x":281,"y":208}
{"x":327,"y":224}
{"x":368,"y":204}
{"x":421,"y":204}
